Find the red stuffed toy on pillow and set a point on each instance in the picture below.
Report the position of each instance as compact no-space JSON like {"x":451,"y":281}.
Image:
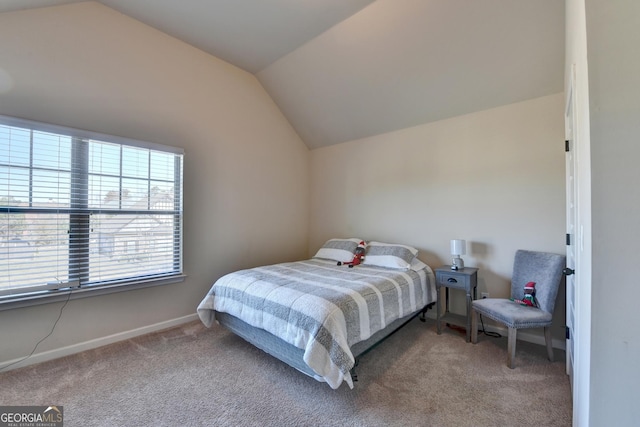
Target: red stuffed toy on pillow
{"x":358,"y":256}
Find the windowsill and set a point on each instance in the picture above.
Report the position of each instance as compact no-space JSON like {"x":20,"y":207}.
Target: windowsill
{"x":89,"y":291}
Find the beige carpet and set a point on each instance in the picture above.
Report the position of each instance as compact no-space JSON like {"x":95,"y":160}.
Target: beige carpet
{"x":195,"y":376}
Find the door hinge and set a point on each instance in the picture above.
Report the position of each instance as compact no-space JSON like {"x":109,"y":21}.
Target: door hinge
{"x":566,"y":145}
{"x":568,"y":239}
{"x":567,"y":332}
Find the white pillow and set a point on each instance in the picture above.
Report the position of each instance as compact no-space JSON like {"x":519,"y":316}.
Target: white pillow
{"x":338,"y":249}
{"x":389,"y":255}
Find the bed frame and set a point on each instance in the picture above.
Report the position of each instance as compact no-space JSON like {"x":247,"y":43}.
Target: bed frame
{"x":293,"y":356}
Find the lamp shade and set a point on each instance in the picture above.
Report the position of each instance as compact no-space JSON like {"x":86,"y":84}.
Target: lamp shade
{"x":458,"y":247}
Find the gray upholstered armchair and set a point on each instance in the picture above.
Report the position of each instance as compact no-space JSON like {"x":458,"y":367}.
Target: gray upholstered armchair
{"x":545,"y":269}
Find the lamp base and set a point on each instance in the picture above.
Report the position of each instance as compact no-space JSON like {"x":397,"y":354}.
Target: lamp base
{"x":457,"y":263}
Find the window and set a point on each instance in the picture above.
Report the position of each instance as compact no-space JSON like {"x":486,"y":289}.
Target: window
{"x":82,"y":211}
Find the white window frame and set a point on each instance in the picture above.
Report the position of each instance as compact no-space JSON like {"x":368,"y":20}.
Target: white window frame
{"x":74,"y":289}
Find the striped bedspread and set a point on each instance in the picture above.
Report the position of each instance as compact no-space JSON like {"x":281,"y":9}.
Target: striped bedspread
{"x":320,"y":307}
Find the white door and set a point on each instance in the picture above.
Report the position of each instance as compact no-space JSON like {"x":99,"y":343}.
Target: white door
{"x":579,"y":224}
{"x":571,"y":200}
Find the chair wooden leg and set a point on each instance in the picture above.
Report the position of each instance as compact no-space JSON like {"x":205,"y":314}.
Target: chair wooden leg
{"x":511,"y":348}
{"x":474,"y":326}
{"x":547,"y":338}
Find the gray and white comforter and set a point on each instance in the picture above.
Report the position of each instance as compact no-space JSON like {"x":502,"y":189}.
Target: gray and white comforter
{"x":320,"y":307}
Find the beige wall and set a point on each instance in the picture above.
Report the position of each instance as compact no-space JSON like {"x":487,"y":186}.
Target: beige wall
{"x":613,"y":53}
{"x":495,"y":178}
{"x":246,"y":171}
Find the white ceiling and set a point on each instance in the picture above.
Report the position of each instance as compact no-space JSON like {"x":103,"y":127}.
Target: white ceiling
{"x":347,"y":69}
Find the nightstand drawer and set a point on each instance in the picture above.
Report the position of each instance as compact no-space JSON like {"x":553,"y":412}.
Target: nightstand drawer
{"x":452,"y":280}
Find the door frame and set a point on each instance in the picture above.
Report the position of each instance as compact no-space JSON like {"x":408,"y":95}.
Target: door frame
{"x":578,"y":95}
{"x":571,"y":202}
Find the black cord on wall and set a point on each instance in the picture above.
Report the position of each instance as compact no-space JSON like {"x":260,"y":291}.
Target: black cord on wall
{"x":40,"y":342}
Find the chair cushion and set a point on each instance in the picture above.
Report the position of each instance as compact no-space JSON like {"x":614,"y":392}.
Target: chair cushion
{"x":512,"y":314}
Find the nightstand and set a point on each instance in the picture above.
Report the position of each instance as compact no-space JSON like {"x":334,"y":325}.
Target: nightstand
{"x":465,"y":279}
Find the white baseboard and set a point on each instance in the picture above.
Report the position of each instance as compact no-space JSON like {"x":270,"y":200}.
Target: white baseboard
{"x":522,"y":334}
{"x":95,"y":343}
{"x":121,"y":336}
{"x":528,"y":337}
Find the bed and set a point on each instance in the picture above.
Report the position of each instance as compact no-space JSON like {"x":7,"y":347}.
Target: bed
{"x":317,"y":316}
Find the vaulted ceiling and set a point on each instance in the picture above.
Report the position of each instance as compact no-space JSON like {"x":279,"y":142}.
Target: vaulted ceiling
{"x":346,"y":69}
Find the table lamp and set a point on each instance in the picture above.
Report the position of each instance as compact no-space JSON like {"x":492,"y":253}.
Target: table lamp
{"x":458,"y":247}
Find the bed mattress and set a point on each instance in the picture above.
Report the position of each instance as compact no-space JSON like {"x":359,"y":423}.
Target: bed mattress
{"x":319,"y":308}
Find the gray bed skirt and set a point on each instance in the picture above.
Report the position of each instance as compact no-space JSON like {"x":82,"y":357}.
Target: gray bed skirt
{"x":292,"y":355}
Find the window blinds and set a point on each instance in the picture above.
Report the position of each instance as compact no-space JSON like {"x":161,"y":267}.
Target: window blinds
{"x":79,"y":209}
